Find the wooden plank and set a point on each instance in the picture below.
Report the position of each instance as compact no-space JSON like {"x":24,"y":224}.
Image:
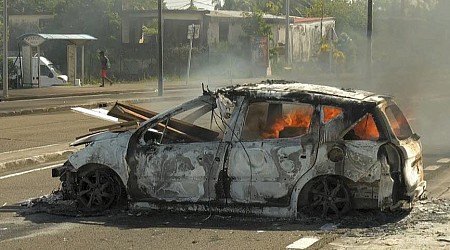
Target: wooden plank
{"x":133,"y":112}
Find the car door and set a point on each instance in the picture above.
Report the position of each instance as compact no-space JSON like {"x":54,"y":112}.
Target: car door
{"x":273,"y":147}
{"x":179,"y":171}
{"x":350,"y":139}
{"x":175,"y":157}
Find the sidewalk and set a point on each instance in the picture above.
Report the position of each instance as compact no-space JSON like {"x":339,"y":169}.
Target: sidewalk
{"x":67,"y":91}
{"x":14,"y":105}
{"x":143,"y":86}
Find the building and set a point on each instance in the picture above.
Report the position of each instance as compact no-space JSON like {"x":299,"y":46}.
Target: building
{"x":221,"y":37}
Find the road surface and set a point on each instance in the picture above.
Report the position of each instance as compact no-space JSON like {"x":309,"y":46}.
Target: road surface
{"x":31,"y":228}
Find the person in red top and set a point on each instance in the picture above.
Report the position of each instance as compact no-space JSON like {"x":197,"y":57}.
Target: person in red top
{"x":104,"y":62}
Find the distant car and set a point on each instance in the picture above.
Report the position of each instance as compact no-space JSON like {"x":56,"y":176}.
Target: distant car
{"x":273,"y":148}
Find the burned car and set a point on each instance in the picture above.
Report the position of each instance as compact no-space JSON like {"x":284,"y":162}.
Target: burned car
{"x":273,"y":148}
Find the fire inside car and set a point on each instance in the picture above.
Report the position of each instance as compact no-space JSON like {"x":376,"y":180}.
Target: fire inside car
{"x":274,"y":148}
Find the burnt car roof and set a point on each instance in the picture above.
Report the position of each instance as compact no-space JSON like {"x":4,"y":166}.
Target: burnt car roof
{"x":278,"y":89}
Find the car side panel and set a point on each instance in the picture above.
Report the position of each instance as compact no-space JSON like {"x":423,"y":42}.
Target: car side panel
{"x":176,"y":172}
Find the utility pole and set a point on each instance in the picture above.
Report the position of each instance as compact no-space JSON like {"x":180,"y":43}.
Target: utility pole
{"x":5,"y":48}
{"x":160,"y":51}
{"x":369,"y":38}
{"x":402,"y":8}
{"x":286,"y":34}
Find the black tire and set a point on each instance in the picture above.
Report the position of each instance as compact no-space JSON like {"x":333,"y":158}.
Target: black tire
{"x":98,"y":190}
{"x":328,"y":196}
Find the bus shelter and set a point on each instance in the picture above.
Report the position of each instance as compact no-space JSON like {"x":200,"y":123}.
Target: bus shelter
{"x":30,"y":47}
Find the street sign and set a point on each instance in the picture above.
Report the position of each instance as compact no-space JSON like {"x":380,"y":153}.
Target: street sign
{"x":196,"y":31}
{"x":193,"y":31}
{"x":190,"y":32}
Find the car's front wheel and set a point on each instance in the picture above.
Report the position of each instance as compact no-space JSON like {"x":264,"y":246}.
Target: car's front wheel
{"x":98,"y":190}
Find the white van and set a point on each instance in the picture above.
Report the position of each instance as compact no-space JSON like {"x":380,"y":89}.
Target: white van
{"x":46,"y":75}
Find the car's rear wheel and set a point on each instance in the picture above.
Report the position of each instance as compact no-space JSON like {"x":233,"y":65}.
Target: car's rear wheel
{"x":328,"y":196}
{"x":98,"y":190}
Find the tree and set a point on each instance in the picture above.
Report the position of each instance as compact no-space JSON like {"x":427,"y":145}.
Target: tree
{"x":276,"y":7}
{"x":33,"y":6}
{"x":143,"y":4}
{"x":270,"y":7}
{"x":349,"y":15}
{"x":255,"y":25}
{"x":417,"y":9}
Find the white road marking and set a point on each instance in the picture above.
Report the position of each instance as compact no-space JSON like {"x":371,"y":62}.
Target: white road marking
{"x":444,"y":160}
{"x":28,"y":171}
{"x":432,"y":167}
{"x":303,"y":243}
{"x":25,"y":149}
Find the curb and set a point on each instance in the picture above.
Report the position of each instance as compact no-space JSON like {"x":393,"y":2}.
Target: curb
{"x":37,"y":159}
{"x":64,"y":108}
{"x":90,"y":105}
{"x":21,"y":98}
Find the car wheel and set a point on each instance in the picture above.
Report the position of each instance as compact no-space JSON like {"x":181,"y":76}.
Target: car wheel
{"x":328,"y":196}
{"x":98,"y":190}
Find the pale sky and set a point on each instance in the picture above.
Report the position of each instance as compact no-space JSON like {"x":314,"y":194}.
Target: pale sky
{"x":183,"y":4}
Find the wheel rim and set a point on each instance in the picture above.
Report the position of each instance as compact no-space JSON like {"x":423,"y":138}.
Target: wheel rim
{"x":97,"y":190}
{"x":329,"y":197}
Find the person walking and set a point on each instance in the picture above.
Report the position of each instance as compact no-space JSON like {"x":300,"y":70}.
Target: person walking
{"x":105,"y":65}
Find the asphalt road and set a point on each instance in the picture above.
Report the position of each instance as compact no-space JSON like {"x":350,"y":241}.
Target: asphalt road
{"x":27,"y":131}
{"x":30,"y":228}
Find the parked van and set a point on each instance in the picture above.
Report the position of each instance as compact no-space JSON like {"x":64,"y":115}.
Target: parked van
{"x":46,"y":75}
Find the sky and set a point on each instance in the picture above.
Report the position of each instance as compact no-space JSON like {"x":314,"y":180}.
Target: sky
{"x":183,"y":4}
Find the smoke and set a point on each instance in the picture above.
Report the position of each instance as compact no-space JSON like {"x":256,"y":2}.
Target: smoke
{"x":411,"y":61}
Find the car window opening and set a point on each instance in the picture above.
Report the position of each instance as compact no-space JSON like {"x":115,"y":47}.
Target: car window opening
{"x":200,"y":124}
{"x":365,"y":129}
{"x":398,"y":122}
{"x":330,"y":113}
{"x":276,"y":120}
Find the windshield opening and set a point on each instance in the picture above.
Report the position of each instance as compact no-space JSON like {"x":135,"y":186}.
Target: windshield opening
{"x":398,"y":122}
{"x":51,"y":66}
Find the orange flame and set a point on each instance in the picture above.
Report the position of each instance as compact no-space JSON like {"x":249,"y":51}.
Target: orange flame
{"x":298,"y":118}
{"x":329,"y":113}
{"x":366,"y":129}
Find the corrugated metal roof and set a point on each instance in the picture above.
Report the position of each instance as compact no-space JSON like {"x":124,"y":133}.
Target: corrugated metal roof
{"x":311,"y":19}
{"x":237,"y":14}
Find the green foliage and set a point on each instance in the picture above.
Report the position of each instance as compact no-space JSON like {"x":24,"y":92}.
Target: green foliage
{"x":416,"y":9}
{"x":244,"y":5}
{"x":33,"y":6}
{"x":98,"y":18}
{"x":176,"y":58}
{"x":266,"y":6}
{"x":143,"y":4}
{"x":348,"y":14}
{"x":150,"y":30}
{"x":255,"y":25}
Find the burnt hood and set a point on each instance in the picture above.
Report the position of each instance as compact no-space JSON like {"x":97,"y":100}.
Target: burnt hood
{"x":94,"y":137}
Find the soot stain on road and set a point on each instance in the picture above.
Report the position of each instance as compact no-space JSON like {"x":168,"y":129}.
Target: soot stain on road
{"x":358,"y":224}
